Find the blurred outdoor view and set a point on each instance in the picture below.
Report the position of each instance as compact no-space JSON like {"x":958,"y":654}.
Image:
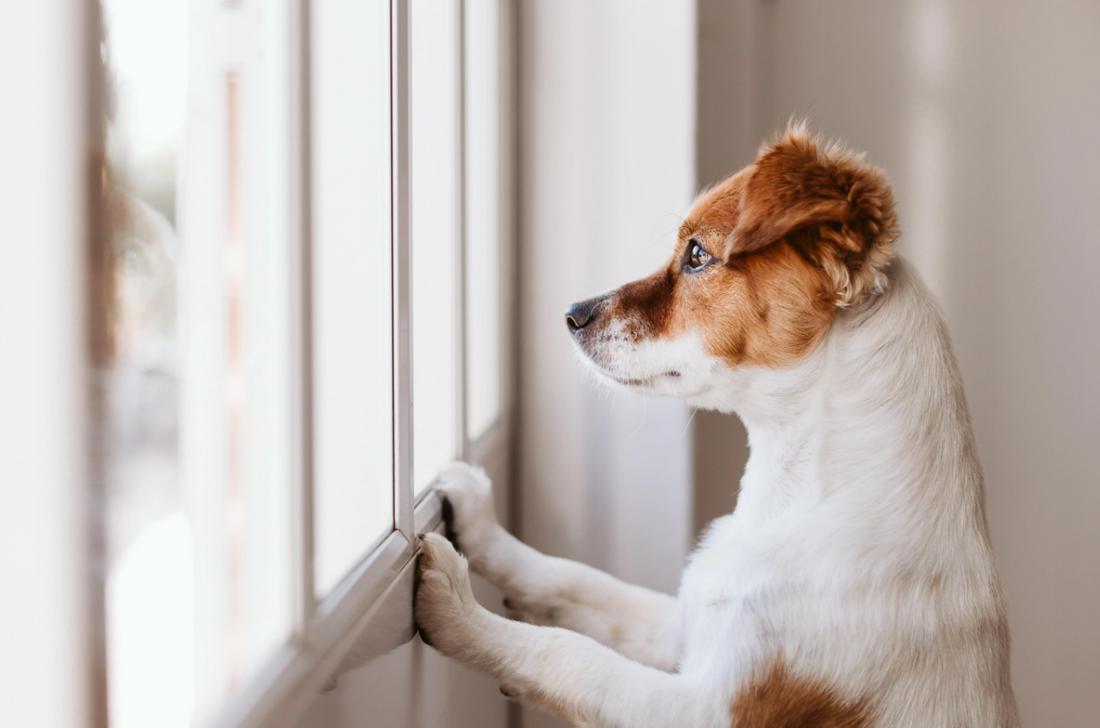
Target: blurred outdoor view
{"x":150,"y":575}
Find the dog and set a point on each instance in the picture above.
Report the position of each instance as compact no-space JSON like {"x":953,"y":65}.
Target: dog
{"x":854,"y":584}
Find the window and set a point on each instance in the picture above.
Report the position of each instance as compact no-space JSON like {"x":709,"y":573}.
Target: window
{"x":487,"y":312}
{"x":434,"y":233}
{"x":351,"y":283}
{"x":307,"y":212}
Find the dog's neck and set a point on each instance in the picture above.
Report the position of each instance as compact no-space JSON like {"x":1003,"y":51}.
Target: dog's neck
{"x":876,"y":415}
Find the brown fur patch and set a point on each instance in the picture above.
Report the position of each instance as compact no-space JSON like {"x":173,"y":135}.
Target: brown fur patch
{"x":777,"y":699}
{"x":646,"y":303}
{"x":845,"y":204}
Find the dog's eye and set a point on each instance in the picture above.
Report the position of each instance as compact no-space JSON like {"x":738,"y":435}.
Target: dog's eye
{"x":697,"y":256}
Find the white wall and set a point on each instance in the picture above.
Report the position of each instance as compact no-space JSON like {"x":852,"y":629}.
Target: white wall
{"x":606,"y":169}
{"x":50,"y":628}
{"x":985,"y":115}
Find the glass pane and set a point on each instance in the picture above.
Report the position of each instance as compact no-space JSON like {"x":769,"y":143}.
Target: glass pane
{"x":149,"y":533}
{"x":234,"y":309}
{"x":484,"y":317}
{"x":434,"y":230}
{"x":195,"y":441}
{"x":352,"y":300}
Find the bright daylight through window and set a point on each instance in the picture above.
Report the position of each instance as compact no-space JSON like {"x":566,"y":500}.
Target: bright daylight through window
{"x":434,"y":232}
{"x":150,"y":581}
{"x":304,"y":207}
{"x":352,"y":294}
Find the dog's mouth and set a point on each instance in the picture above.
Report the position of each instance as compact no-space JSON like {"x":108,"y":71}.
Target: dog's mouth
{"x":598,"y":361}
{"x":644,"y":382}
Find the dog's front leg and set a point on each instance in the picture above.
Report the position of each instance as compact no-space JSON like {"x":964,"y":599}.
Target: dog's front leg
{"x":558,"y":670}
{"x":641,"y":624}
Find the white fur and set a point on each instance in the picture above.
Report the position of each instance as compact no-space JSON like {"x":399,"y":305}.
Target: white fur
{"x":858,"y":549}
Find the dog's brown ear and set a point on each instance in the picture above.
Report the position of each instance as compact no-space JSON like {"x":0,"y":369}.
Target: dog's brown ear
{"x":835,"y":204}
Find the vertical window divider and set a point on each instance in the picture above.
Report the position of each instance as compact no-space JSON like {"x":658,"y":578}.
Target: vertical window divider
{"x":402,"y":279}
{"x":300,"y":318}
{"x":507,"y":195}
{"x":461,"y":439}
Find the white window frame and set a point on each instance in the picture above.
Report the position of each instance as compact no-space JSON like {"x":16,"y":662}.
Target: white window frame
{"x":370,"y":611}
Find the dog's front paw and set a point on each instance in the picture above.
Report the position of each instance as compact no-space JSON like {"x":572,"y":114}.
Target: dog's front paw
{"x":447,"y":615}
{"x":468,"y":510}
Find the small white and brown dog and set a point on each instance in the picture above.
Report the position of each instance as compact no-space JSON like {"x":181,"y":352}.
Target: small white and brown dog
{"x":854,"y":584}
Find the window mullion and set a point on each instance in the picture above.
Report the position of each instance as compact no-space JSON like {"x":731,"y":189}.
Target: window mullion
{"x":460,"y":233}
{"x":301,"y":316}
{"x":402,"y":279}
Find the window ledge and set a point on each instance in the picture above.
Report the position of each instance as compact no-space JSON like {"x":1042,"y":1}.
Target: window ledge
{"x":369,"y":615}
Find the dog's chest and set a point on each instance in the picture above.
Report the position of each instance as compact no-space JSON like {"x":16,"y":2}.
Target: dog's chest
{"x":748,"y":592}
{"x":725,"y":577}
{"x":727,"y":593}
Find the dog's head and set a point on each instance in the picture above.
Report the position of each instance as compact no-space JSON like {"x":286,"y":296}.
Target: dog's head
{"x":762,"y":264}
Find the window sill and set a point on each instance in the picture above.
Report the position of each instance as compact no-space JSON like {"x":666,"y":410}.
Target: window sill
{"x":367,"y":616}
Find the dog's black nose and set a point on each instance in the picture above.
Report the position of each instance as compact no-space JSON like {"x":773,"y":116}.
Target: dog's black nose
{"x":581,"y":314}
